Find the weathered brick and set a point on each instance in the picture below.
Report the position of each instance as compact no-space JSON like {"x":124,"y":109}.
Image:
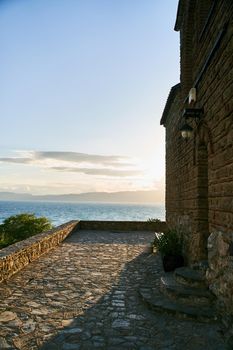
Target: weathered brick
{"x":199,"y":182}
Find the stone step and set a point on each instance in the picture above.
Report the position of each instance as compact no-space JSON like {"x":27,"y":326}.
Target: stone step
{"x":190,"y":277}
{"x":201,"y":265}
{"x":184,"y":293}
{"x":161,"y":303}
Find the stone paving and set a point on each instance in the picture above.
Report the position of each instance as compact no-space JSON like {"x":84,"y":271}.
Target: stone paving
{"x":84,"y":295}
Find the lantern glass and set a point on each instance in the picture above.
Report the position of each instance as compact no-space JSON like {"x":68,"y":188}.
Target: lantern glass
{"x":186,"y":134}
{"x":186,"y":131}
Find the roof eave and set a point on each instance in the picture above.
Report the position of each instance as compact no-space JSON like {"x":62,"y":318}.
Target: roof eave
{"x":179,"y":16}
{"x":170,"y":99}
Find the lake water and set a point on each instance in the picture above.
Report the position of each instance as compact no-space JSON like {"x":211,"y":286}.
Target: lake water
{"x":61,"y":212}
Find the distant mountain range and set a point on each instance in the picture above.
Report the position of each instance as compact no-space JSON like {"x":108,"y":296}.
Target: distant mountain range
{"x":112,"y":197}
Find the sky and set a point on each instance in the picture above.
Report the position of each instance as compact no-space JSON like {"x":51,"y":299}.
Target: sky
{"x":83,"y":84}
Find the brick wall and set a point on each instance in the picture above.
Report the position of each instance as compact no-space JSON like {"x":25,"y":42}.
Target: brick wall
{"x":203,"y":166}
{"x":199,"y":172}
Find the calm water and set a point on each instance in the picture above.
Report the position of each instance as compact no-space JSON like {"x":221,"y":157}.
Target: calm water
{"x":60,"y":212}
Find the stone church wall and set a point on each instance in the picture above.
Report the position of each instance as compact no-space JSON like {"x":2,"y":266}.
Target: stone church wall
{"x":199,"y":172}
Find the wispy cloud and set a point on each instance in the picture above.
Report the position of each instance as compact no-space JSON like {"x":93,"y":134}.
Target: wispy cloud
{"x":74,"y":157}
{"x":79,"y":157}
{"x":98,"y":171}
{"x":75,"y":162}
{"x":16,"y":160}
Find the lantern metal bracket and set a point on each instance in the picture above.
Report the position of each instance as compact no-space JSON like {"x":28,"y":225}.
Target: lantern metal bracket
{"x":193,"y":113}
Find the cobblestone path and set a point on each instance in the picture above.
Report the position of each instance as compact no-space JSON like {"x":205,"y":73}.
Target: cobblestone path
{"x":84,"y":295}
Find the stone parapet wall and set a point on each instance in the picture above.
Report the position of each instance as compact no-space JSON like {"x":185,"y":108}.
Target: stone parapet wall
{"x":123,"y":225}
{"x":16,"y":256}
{"x":13,"y":258}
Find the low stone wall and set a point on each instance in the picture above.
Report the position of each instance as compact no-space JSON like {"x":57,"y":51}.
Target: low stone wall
{"x":123,"y":225}
{"x":20,"y":254}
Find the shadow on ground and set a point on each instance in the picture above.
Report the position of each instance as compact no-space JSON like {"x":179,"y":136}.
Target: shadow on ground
{"x":120,"y":320}
{"x":83,"y":295}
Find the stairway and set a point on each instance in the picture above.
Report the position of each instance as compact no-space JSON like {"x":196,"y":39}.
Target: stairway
{"x":182,"y":293}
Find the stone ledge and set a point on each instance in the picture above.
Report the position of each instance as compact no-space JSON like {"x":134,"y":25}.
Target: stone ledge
{"x":20,"y":254}
{"x":122,"y":225}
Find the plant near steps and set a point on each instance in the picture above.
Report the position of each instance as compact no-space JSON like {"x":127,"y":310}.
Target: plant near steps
{"x":170,"y":244}
{"x":19,"y":227}
{"x":154,"y":220}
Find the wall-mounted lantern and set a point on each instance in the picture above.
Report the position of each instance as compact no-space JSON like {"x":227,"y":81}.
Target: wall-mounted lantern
{"x":190,"y":113}
{"x":186,"y":131}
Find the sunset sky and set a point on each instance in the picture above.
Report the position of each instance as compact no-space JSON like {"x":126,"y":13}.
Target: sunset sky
{"x":82,"y":89}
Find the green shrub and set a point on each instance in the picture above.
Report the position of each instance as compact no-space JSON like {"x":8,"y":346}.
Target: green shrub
{"x":4,"y":243}
{"x":154,"y":220}
{"x":168,"y":243}
{"x":19,"y":227}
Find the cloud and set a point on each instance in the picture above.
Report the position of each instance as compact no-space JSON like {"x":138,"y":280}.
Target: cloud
{"x":78,"y":157}
{"x":16,"y":160}
{"x":98,"y":171}
{"x":74,"y":157}
{"x":75,"y":162}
